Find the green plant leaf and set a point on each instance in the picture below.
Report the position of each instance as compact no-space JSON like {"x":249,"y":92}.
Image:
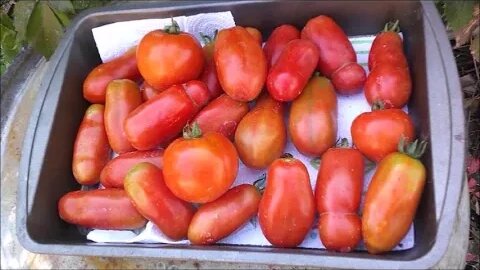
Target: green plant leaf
{"x":6,"y":21}
{"x":44,"y":30}
{"x":80,"y":5}
{"x":475,"y":48}
{"x":62,"y":17}
{"x":64,"y":6}
{"x":458,"y":13}
{"x":21,"y":16}
{"x":8,"y":47}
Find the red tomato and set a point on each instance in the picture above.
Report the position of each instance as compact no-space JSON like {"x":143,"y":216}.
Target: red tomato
{"x":261,"y":134}
{"x":106,"y":209}
{"x":287,"y":78}
{"x":313,"y":118}
{"x":287,"y":208}
{"x":392,"y":199}
{"x":387,"y":48}
{"x":116,"y":169}
{"x":222,"y":115}
{"x":123,"y":67}
{"x":337,"y":192}
{"x":349,"y":79}
{"x":147,"y":91}
{"x":169,"y":57}
{"x":336,"y":54}
{"x":388,"y":84}
{"x":377,"y":133}
{"x":216,"y":220}
{"x":257,"y":35}
{"x":200,"y":168}
{"x":163,"y":117}
{"x":122,"y":97}
{"x":277,"y":40}
{"x":240,"y":63}
{"x":91,"y":150}
{"x":209,"y":74}
{"x":145,"y":186}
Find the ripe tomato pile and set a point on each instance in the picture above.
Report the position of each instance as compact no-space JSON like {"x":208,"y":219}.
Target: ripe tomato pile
{"x":178,"y":117}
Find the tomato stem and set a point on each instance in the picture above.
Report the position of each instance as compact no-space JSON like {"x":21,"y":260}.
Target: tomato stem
{"x":315,"y":162}
{"x":174,"y":28}
{"x":342,"y":143}
{"x":414,"y":149}
{"x":286,"y":155}
{"x":192,"y":131}
{"x":378,"y":105}
{"x":260,"y":183}
{"x":205,"y":38}
{"x":392,"y":27}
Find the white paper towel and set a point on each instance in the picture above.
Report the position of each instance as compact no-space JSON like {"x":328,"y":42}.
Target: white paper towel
{"x":124,"y":35}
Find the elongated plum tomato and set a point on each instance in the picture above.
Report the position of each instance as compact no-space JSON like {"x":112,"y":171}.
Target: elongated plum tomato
{"x":387,"y":48}
{"x":123,"y":96}
{"x":287,"y":208}
{"x":377,"y":133}
{"x":388,"y":84}
{"x":240,"y":63}
{"x":261,"y":135}
{"x":122,"y":67}
{"x":313,"y":118}
{"x":338,"y":60}
{"x":145,"y":186}
{"x":222,"y":115}
{"x":209,"y":75}
{"x":200,"y":167}
{"x":106,"y":209}
{"x":216,"y":220}
{"x":337,"y":192}
{"x":289,"y":75}
{"x":162,"y":118}
{"x":91,"y":150}
{"x":167,"y":57}
{"x":277,"y":40}
{"x":113,"y":174}
{"x":393,"y":197}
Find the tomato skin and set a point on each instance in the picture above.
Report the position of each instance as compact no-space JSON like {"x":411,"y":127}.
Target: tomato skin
{"x":146,"y":188}
{"x":123,"y":67}
{"x":333,"y":44}
{"x":107,"y":209}
{"x":122,"y":97}
{"x":222,"y":115}
{"x":216,"y":220}
{"x":91,"y":150}
{"x":113,"y":174}
{"x":261,"y":135}
{"x":387,"y":48}
{"x":240,"y":63}
{"x":391,"y":201}
{"x":337,"y":193}
{"x":287,"y":208}
{"x":277,"y":41}
{"x":340,"y":231}
{"x":163,"y":117}
{"x":349,"y":79}
{"x":312,"y":123}
{"x":148,"y":92}
{"x":289,"y":75}
{"x":159,"y":61}
{"x":200,"y":170}
{"x":390,"y":84}
{"x":209,"y":74}
{"x":377,"y":133}
{"x":256,"y":34}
